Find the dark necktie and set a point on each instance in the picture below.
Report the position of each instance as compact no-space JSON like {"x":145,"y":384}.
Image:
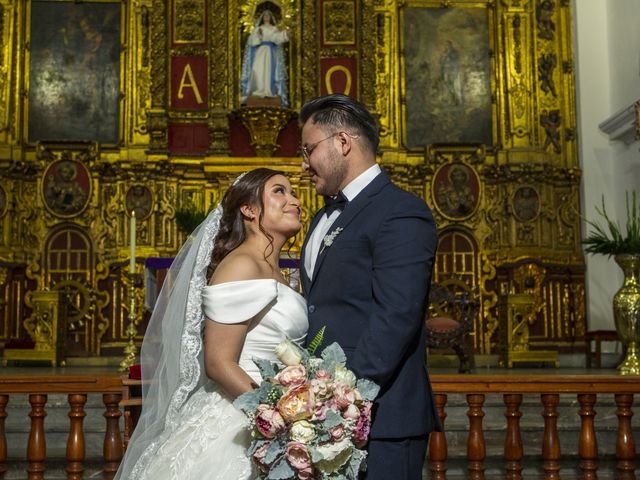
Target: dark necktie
{"x":335,"y":203}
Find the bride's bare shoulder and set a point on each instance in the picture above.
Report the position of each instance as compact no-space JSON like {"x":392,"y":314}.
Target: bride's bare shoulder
{"x":237,"y":266}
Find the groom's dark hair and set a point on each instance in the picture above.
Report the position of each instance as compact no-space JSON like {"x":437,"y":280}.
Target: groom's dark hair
{"x":343,"y":112}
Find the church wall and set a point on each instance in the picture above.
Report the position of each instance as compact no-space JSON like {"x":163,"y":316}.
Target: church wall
{"x":608,"y":80}
{"x":496,"y":81}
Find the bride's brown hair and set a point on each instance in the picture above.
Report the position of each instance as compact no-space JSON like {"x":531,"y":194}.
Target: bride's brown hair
{"x":248,"y":189}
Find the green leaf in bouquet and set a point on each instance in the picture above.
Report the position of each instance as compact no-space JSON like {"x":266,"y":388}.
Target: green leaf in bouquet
{"x":332,"y":419}
{"x":317,"y":340}
{"x":280,"y":471}
{"x":356,"y":463}
{"x":274,"y":450}
{"x":368,"y":389}
{"x":248,"y":402}
{"x":255,"y":445}
{"x":332,"y":356}
{"x":267,"y":367}
{"x":323,"y":436}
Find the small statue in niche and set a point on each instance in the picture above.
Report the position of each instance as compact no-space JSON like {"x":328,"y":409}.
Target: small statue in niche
{"x":551,"y":122}
{"x":546,"y":66}
{"x":63,"y":192}
{"x":544,"y":15}
{"x":264,"y":69}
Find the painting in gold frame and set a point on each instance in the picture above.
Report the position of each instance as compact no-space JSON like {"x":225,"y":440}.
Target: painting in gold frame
{"x":447,"y":76}
{"x":74,"y":71}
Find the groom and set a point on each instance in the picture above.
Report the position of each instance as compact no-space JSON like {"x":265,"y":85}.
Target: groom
{"x":366,"y":271}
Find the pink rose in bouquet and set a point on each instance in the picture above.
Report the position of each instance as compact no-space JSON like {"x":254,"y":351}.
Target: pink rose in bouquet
{"x":297,"y":403}
{"x":293,"y":375}
{"x":311,"y":416}
{"x":299,"y":458}
{"x":268,"y":421}
{"x":363,"y":426}
{"x":343,"y":395}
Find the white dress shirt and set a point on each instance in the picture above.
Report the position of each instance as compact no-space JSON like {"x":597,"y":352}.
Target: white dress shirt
{"x":324,"y":224}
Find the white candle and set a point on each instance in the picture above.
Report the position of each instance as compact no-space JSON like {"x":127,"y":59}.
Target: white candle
{"x":132,"y":243}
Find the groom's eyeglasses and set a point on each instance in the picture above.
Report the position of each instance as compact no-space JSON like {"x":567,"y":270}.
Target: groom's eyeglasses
{"x":307,"y":150}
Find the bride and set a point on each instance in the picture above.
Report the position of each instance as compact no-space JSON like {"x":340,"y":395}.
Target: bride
{"x":223,"y":303}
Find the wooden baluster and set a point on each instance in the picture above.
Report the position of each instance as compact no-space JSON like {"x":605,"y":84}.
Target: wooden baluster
{"x":113,"y":449}
{"x":75,"y":442}
{"x":476,"y":449}
{"x":588,"y":448}
{"x":625,"y":445}
{"x":513,"y":441}
{"x":438,"y":443}
{"x":4,"y":399}
{"x":551,"y":440}
{"x":37,"y":446}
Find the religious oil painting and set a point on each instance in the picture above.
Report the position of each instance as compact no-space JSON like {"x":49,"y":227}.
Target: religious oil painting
{"x":74,"y":71}
{"x":66,"y":187}
{"x":456,"y":190}
{"x":139,"y":199}
{"x":526,"y":203}
{"x":447,"y":76}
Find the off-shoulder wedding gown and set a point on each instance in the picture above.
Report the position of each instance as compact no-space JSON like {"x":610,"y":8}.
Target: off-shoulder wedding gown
{"x":212,"y":437}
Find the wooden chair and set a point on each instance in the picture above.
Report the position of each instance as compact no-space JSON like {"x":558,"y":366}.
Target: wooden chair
{"x":594,"y":357}
{"x":453,"y":309}
{"x":131,"y":405}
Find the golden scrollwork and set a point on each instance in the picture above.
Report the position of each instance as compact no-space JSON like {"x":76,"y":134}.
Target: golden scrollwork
{"x":339,"y":22}
{"x":516,"y":318}
{"x":528,"y":177}
{"x":189,"y":21}
{"x":142,"y":79}
{"x":47,"y":328}
{"x":264,"y":125}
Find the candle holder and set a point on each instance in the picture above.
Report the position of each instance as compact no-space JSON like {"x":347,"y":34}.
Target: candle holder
{"x":130,"y":350}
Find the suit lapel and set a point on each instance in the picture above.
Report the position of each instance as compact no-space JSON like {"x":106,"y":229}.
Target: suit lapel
{"x":305,"y":275}
{"x":348,"y":214}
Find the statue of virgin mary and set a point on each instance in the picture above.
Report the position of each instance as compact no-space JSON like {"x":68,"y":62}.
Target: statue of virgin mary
{"x":264,"y":70}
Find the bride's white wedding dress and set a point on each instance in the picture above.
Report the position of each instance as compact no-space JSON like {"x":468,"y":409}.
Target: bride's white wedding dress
{"x":212,"y":436}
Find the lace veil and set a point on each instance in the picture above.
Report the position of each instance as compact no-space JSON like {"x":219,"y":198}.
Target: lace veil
{"x":172,"y":353}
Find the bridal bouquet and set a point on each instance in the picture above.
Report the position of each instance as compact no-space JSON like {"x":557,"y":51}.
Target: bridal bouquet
{"x":310,"y":416}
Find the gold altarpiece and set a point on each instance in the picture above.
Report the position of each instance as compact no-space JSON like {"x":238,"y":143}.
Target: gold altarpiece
{"x":506,"y":206}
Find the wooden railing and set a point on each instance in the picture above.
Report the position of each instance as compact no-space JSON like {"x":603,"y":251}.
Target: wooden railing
{"x":548,"y":387}
{"x":475,"y":387}
{"x":37,"y":387}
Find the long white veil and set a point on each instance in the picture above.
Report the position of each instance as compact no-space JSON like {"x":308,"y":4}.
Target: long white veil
{"x":172,"y":356}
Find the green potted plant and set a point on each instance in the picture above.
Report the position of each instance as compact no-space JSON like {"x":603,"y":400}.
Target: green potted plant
{"x":624,"y":246}
{"x":188,"y":218}
{"x":614,"y":241}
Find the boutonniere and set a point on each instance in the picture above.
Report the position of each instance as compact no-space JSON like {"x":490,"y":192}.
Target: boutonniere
{"x":331,"y":236}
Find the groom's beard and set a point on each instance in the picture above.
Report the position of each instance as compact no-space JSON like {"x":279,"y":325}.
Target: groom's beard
{"x":334,"y":172}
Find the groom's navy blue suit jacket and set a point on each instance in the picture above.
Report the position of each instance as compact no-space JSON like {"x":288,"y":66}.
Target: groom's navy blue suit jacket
{"x":370,"y":288}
